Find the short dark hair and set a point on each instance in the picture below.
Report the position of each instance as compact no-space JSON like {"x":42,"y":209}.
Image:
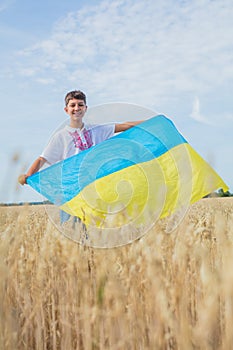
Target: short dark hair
{"x":79,"y":95}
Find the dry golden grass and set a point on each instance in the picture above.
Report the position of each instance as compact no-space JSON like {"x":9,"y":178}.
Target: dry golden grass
{"x":164,"y":291}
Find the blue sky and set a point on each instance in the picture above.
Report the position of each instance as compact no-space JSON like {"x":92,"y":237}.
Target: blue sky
{"x":173,"y":57}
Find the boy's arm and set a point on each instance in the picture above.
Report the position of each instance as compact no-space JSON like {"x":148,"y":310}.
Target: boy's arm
{"x":127,"y":125}
{"x":37,"y":164}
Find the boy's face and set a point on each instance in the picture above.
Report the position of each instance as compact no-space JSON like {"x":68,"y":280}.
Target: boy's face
{"x":76,"y":109}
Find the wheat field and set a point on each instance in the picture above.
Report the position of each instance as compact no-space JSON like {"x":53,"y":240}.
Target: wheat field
{"x":163,"y":291}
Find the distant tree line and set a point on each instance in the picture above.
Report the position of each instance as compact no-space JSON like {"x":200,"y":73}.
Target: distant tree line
{"x":219,"y":193}
{"x":24,"y":203}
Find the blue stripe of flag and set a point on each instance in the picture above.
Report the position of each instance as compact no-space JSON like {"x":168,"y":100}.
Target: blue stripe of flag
{"x":64,"y":180}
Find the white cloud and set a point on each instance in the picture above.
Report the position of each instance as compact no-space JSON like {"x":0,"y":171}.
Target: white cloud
{"x":196,"y":113}
{"x":154,"y":52}
{"x":45,"y":81}
{"x":213,"y":119}
{"x":28,"y":72}
{"x":229,"y":117}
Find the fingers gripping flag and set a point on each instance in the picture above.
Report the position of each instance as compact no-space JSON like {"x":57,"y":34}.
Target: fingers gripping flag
{"x":147,"y":171}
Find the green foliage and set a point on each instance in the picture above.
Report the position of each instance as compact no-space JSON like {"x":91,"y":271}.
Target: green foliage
{"x":221,"y":193}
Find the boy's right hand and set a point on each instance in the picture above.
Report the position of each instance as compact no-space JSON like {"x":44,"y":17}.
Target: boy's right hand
{"x":22,"y":179}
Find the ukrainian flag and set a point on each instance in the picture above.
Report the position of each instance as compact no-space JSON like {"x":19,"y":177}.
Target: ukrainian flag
{"x":148,"y":171}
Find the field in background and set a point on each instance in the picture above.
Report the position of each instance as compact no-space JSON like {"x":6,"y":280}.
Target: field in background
{"x":164,"y":291}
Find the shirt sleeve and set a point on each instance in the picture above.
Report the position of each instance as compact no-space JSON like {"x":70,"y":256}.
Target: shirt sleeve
{"x":53,"y":151}
{"x":102,"y":132}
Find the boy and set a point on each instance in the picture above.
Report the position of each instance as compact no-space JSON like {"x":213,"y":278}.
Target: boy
{"x":75,"y":137}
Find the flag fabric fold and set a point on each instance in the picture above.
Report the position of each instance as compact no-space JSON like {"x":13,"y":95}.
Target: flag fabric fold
{"x":149,"y":171}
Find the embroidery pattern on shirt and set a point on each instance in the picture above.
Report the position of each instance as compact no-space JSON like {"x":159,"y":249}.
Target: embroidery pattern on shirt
{"x":82,"y":140}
